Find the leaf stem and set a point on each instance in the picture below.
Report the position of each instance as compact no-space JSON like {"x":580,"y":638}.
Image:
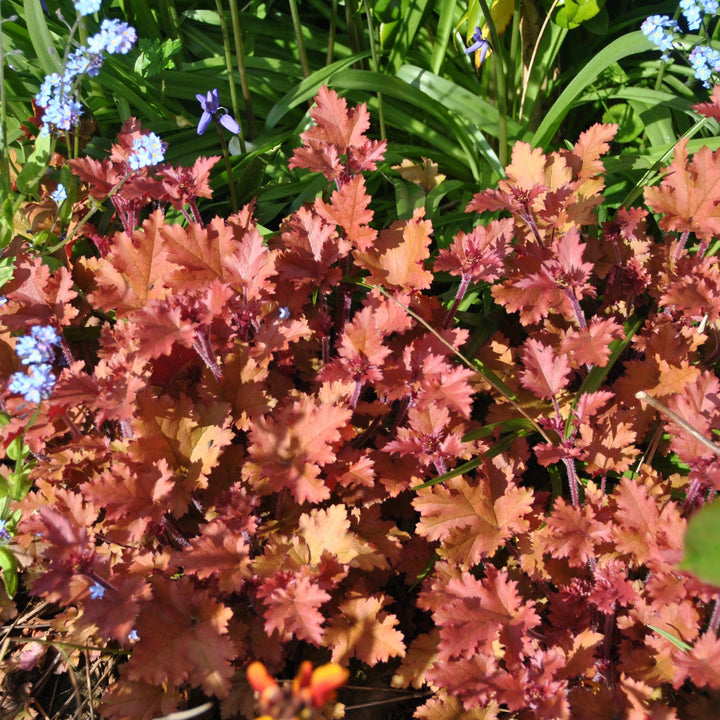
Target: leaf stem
{"x":297,"y":26}
{"x":331,"y":32}
{"x":665,"y":410}
{"x":228,"y":167}
{"x":249,"y":131}
{"x":459,"y":295}
{"x":376,"y":68}
{"x":533,"y":57}
{"x":499,"y":65}
{"x":715,"y":617}
{"x":228,"y":56}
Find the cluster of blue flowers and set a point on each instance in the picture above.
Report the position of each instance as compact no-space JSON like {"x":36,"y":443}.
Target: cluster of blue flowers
{"x":661,"y":31}
{"x":147,"y":150}
{"x":705,"y":62}
{"x":693,"y":11}
{"x":87,"y":7}
{"x":37,"y":351}
{"x":58,"y":93}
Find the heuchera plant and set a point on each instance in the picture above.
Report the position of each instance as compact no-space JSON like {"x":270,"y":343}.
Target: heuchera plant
{"x":240,"y":457}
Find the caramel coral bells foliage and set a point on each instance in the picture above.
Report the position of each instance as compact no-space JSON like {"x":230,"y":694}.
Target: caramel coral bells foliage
{"x":308,"y":692}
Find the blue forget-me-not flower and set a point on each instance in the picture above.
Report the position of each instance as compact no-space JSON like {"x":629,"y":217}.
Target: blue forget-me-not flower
{"x":147,"y":150}
{"x":59,"y":195}
{"x":661,"y":30}
{"x":35,"y":350}
{"x":87,"y":7}
{"x":58,"y":93}
{"x":693,"y":10}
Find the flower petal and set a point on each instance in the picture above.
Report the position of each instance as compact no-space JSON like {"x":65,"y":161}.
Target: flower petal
{"x":229,"y":123}
{"x":213,"y":101}
{"x":204,"y":122}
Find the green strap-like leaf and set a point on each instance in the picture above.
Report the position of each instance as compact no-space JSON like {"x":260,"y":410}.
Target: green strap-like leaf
{"x":307,"y":89}
{"x":41,"y":38}
{"x":630,"y":44}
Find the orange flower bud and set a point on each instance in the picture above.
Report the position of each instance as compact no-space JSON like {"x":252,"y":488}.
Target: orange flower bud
{"x":259,"y":678}
{"x":302,"y":679}
{"x":325,"y":680}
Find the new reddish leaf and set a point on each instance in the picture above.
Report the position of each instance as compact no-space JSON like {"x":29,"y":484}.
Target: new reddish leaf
{"x":545,"y":374}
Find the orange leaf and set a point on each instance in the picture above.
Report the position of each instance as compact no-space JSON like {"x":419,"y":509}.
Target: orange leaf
{"x":363,"y":630}
{"x":689,"y":196}
{"x":398,"y":255}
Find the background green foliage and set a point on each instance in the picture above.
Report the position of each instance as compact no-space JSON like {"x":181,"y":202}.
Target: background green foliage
{"x":404,"y":57}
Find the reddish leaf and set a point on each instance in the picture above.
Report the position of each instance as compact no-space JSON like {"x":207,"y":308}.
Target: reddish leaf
{"x":134,"y":272}
{"x":431,"y":438}
{"x":183,"y":638}
{"x":348,"y":208}
{"x":575,"y":533}
{"x":293,"y":608}
{"x":473,"y":614}
{"x":363,"y":630}
{"x":699,"y":405}
{"x":701,"y":664}
{"x":328,"y":531}
{"x":361,"y":351}
{"x":607,"y":444}
{"x":472,"y":521}
{"x":288,"y":448}
{"x":251,"y":265}
{"x":115,"y":613}
{"x":42,"y":299}
{"x":545,"y":374}
{"x":591,"y":345}
{"x":220,"y":554}
{"x":339,"y":132}
{"x":712,"y":108}
{"x":591,"y":145}
{"x":198,"y":251}
{"x":480,"y":254}
{"x":158,"y":327}
{"x":183,"y":185}
{"x":688,"y":198}
{"x":131,"y":491}
{"x":642,"y":529}
{"x":138,"y":700}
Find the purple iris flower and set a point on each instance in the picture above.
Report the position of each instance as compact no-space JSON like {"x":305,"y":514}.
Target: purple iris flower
{"x":210,"y":105}
{"x":479,"y":43}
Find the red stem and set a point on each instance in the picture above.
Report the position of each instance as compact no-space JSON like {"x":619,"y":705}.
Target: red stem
{"x":459,"y":295}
